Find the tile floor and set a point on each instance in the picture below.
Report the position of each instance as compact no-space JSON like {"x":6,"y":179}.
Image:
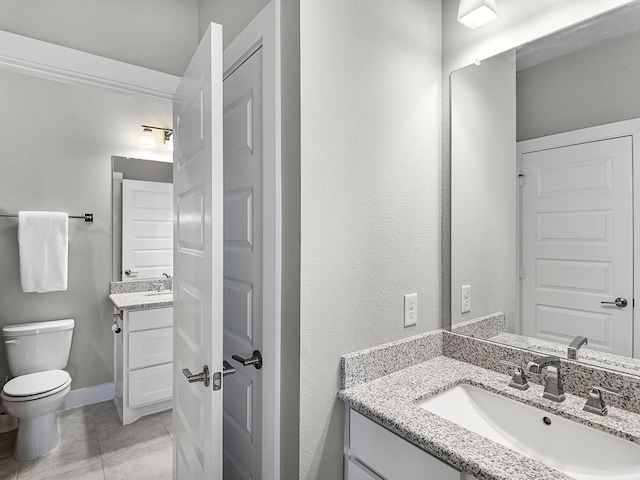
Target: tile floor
{"x":95,"y":446}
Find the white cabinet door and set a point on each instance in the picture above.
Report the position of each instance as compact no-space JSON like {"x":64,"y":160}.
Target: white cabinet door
{"x":150,"y":347}
{"x":393,"y":457}
{"x":150,"y":385}
{"x":358,"y":472}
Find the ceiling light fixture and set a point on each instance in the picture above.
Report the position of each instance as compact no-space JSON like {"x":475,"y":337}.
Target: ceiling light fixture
{"x":475,"y":13}
{"x":149,"y":139}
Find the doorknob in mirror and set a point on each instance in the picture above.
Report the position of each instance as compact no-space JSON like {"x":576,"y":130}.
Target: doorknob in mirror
{"x":255,"y":360}
{"x":618,"y":302}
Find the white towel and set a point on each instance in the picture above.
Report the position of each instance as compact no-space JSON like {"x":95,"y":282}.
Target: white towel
{"x":44,"y":251}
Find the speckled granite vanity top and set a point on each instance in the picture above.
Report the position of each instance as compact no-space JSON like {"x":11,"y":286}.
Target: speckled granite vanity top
{"x":141,"y":294}
{"x":391,"y":401}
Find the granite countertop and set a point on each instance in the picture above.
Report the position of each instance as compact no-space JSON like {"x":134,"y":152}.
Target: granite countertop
{"x":391,"y":401}
{"x":139,"y":300}
{"x":136,"y":295}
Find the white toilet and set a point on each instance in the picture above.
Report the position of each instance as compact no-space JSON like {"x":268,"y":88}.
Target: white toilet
{"x":37,"y":353}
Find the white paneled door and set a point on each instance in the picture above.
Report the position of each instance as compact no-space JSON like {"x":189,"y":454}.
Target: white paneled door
{"x":243,"y":272}
{"x":577,"y":244}
{"x":198,"y":265}
{"x":147,"y":229}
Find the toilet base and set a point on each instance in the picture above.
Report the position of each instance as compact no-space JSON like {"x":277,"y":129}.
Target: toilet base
{"x":37,"y":436}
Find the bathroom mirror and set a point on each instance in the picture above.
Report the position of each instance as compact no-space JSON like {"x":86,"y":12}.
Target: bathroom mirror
{"x":540,"y":135}
{"x":150,"y":182}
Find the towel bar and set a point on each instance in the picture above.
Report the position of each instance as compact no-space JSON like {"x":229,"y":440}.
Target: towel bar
{"x":88,"y":217}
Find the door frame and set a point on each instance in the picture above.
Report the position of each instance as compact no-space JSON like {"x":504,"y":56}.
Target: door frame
{"x":67,"y":65}
{"x":590,"y":134}
{"x":262,"y":33}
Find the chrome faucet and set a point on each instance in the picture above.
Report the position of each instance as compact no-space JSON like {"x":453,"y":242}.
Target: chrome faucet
{"x":574,"y":346}
{"x":553,"y":384}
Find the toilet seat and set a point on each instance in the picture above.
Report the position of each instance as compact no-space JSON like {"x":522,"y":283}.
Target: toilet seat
{"x":35,"y":385}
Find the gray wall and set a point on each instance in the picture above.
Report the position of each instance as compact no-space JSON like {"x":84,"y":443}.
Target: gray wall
{"x":157,"y":34}
{"x":592,"y":87}
{"x":233,"y":16}
{"x":58,"y":140}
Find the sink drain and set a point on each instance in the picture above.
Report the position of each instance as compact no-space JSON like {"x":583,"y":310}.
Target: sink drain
{"x":546,"y":420}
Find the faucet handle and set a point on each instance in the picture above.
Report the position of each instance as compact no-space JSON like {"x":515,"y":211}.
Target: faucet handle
{"x":518,"y":379}
{"x":595,"y":402}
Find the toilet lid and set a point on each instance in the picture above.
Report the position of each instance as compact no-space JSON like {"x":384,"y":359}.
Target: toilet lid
{"x":36,"y":383}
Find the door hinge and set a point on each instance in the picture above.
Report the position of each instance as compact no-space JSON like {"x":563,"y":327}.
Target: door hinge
{"x":521,"y":180}
{"x":521,"y":273}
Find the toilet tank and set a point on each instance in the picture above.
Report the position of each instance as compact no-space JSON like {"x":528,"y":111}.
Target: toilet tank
{"x":35,"y":347}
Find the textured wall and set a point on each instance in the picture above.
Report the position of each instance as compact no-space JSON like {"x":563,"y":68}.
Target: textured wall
{"x":157,"y":34}
{"x":370,"y":175}
{"x":57,"y":143}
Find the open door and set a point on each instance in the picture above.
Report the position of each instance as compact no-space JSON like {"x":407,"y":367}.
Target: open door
{"x":198,"y":273}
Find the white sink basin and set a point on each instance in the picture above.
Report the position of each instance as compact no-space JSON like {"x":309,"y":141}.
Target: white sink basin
{"x":574,"y":449}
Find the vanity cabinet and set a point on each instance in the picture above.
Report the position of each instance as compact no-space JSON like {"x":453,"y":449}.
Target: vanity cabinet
{"x":374,"y":453}
{"x":144,"y":363}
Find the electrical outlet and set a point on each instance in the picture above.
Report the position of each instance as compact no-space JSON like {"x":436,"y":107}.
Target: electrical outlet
{"x":410,"y":309}
{"x":465,"y":300}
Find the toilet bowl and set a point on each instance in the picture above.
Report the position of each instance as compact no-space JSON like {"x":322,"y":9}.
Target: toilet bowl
{"x":37,"y":353}
{"x":34,"y":399}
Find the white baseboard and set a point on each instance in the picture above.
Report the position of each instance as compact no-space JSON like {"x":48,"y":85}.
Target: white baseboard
{"x":89,"y":395}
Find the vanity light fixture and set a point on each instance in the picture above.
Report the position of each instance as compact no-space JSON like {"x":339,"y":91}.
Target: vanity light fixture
{"x":475,"y":13}
{"x":149,"y":139}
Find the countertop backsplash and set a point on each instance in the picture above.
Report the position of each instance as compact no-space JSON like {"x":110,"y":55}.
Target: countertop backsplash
{"x":578,"y":378}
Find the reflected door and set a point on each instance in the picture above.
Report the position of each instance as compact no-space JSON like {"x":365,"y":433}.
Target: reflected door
{"x":577,"y":244}
{"x":147,"y":229}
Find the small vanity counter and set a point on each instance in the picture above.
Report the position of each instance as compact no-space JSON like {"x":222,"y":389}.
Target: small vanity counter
{"x":141,"y":294}
{"x":392,"y":402}
{"x":141,"y":300}
{"x":143,"y":348}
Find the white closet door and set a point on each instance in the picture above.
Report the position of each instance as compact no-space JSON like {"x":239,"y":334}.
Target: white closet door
{"x":577,"y":244}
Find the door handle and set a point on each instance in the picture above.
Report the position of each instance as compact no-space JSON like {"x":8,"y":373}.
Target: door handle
{"x":618,"y":302}
{"x":129,"y":272}
{"x":198,"y":377}
{"x":227,"y":369}
{"x":255,"y":360}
